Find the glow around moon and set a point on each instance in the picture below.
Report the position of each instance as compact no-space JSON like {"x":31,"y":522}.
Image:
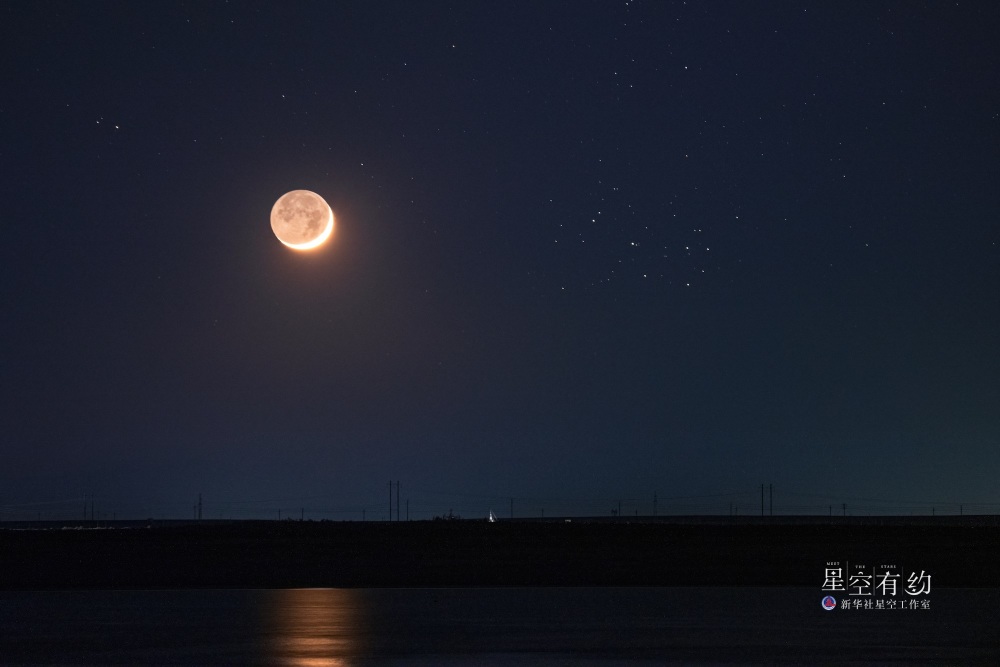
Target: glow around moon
{"x":302,"y":220}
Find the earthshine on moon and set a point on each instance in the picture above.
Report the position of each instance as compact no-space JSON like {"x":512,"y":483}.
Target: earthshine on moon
{"x":302,"y":220}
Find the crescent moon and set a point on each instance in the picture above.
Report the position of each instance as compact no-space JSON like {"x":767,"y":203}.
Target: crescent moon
{"x":297,"y":220}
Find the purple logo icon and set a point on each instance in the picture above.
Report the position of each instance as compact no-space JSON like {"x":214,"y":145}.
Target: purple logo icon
{"x":829,"y":603}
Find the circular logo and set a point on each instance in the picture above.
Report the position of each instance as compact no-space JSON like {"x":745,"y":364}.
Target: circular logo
{"x":829,"y":603}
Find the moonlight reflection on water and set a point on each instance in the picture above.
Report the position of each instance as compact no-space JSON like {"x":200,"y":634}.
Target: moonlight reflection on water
{"x":314,"y":627}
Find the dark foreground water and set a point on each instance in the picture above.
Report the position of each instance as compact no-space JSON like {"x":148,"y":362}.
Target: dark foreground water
{"x":525,"y":626}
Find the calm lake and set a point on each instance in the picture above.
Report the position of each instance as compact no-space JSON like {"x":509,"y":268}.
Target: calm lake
{"x":521,"y":626}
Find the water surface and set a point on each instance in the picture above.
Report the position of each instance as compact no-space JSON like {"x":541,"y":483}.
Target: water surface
{"x":521,"y":626}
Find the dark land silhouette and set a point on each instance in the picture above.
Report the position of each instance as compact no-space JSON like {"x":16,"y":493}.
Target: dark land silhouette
{"x":956,"y":551}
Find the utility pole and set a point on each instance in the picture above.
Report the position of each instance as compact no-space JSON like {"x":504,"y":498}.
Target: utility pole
{"x":397,"y":500}
{"x":844,"y":506}
{"x":199,"y":507}
{"x":770,"y":498}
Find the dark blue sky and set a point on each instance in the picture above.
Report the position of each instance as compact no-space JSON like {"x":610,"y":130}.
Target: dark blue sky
{"x":585,"y":252}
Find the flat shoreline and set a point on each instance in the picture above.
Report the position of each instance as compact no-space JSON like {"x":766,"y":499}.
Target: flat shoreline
{"x":680,"y":551}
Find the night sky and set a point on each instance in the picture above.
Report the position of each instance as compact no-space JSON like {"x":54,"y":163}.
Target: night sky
{"x":585,"y":253}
